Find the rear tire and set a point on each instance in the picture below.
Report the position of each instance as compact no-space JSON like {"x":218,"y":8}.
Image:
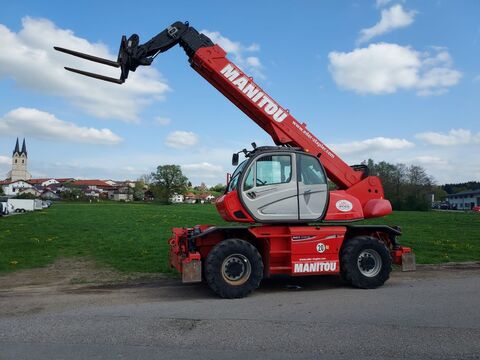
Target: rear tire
{"x":233,"y":268}
{"x":365,"y":262}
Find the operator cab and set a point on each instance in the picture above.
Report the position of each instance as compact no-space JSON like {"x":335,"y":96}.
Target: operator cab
{"x":280,"y":184}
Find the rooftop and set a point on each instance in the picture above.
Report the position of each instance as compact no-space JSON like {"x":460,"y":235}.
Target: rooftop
{"x":466,"y":192}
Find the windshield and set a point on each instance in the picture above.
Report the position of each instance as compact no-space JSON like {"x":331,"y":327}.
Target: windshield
{"x":236,"y":174}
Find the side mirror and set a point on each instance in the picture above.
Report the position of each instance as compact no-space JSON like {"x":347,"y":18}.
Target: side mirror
{"x":235,"y":159}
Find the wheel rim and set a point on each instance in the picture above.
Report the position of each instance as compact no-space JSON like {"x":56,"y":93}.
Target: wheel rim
{"x":369,"y":263}
{"x":236,"y":269}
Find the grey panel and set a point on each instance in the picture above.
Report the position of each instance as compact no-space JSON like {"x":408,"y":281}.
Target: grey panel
{"x":312,"y":187}
{"x":312,"y":201}
{"x":272,"y":202}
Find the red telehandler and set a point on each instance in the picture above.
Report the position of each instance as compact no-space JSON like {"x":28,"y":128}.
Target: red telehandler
{"x":297,"y":226}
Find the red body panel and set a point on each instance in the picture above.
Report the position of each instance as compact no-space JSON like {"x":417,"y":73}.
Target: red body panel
{"x":287,"y":250}
{"x":343,"y":207}
{"x":230,"y":208}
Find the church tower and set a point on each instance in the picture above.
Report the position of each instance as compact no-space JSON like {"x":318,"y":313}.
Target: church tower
{"x":19,"y":163}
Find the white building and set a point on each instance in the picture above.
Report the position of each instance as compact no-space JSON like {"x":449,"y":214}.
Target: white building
{"x":111,"y":182}
{"x":13,"y":188}
{"x":464,"y":200}
{"x":177,"y":199}
{"x":121,"y":197}
{"x":30,"y":191}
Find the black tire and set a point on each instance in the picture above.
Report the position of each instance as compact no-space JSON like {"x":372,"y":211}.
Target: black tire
{"x":233,"y":268}
{"x":365,"y":262}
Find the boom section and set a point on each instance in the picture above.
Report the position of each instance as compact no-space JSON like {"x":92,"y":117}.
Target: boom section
{"x":212,"y":63}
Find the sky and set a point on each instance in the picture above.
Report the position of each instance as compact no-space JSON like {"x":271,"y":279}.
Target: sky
{"x":395,"y":81}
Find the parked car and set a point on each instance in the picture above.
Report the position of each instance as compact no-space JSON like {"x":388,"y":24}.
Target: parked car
{"x":46,"y":204}
{"x":476,"y":208}
{"x":5,"y":208}
{"x":38,"y":204}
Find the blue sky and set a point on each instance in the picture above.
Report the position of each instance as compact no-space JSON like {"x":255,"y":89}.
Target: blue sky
{"x":390,"y":80}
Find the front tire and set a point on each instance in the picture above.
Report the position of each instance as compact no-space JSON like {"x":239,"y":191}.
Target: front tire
{"x":365,"y":262}
{"x":233,"y":268}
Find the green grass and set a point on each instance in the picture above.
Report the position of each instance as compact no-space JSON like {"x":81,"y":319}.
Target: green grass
{"x":133,"y":237}
{"x":128,"y":237}
{"x":438,"y":237}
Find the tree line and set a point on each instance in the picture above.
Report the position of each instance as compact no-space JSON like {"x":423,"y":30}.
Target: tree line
{"x":169,"y":180}
{"x":456,"y":188}
{"x":407,"y":187}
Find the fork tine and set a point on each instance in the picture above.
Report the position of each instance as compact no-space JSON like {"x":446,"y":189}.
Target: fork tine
{"x":88,"y":57}
{"x":96,"y":76}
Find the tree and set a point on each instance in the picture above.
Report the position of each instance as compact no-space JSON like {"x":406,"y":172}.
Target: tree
{"x":72,"y":193}
{"x":139,"y":190}
{"x":219,"y":188}
{"x":146,"y":179}
{"x":25,"y":196}
{"x":419,"y":188}
{"x":168,"y":180}
{"x":1,"y":191}
{"x":202,"y":188}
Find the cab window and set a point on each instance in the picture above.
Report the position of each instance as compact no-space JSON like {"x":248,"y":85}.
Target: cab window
{"x":248,"y":182}
{"x":273,"y":169}
{"x":235,"y":176}
{"x":310,"y":172}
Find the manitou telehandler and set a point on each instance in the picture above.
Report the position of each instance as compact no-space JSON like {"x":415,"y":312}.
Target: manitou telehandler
{"x":297,"y":226}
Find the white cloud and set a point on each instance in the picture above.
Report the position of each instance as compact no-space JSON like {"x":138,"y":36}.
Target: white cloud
{"x":429,"y":160}
{"x":391,"y":19}
{"x":453,"y":137}
{"x":372,"y":145}
{"x":29,"y":58}
{"x":203,"y":170}
{"x":181,"y":139}
{"x":254,"y":61}
{"x":42,"y":125}
{"x":239,"y":52}
{"x":436,"y":81}
{"x":385,"y":68}
{"x":5,"y":160}
{"x":162,"y":121}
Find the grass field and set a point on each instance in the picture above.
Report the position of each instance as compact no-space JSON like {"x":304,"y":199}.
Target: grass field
{"x":132,"y":237}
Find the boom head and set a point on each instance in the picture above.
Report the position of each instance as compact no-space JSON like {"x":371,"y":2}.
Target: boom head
{"x":125,"y":60}
{"x":131,"y":54}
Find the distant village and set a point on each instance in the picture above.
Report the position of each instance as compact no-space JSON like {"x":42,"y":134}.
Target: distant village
{"x":19,"y":183}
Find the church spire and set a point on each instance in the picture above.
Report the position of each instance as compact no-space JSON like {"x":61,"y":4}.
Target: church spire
{"x":17,"y":148}
{"x":24,"y":148}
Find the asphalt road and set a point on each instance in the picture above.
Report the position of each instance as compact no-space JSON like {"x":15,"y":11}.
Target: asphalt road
{"x":430,"y":314}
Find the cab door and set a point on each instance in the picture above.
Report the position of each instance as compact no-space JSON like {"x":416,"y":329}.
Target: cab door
{"x":269,"y":188}
{"x":312,"y":188}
